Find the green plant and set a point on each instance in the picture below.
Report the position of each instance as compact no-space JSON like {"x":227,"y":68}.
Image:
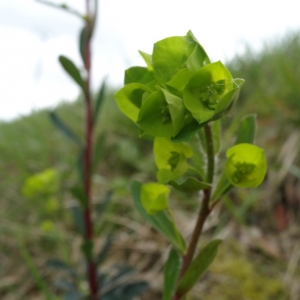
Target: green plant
{"x":89,"y":155}
{"x":179,"y":99}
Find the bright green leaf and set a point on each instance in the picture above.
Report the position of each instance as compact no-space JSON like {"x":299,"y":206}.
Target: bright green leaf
{"x":171,"y":273}
{"x":197,"y":268}
{"x":130,"y":98}
{"x":160,"y":221}
{"x":148,"y":59}
{"x":140,"y":75}
{"x":247,"y":129}
{"x":155,"y":197}
{"x":246,"y":165}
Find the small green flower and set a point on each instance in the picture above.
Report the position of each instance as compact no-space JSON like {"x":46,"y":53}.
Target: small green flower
{"x":171,"y":159}
{"x":154,"y":197}
{"x":246,"y":165}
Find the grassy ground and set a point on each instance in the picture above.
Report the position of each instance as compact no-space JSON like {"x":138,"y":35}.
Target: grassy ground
{"x":260,"y":256}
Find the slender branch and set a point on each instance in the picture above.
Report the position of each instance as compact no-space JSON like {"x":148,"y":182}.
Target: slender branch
{"x":89,"y":234}
{"x":204,"y":210}
{"x":62,"y":6}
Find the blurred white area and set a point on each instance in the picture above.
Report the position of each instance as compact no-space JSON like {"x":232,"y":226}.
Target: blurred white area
{"x":33,"y":35}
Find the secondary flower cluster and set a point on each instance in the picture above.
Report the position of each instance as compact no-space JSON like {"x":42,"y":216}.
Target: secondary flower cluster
{"x":179,"y":91}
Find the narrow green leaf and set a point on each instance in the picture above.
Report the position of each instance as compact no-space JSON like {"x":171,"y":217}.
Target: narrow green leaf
{"x":87,"y":249}
{"x":77,"y":214}
{"x":160,"y":221}
{"x":98,"y":151}
{"x":216,"y":133}
{"x":61,"y":266}
{"x":99,"y":101}
{"x":82,"y":41}
{"x":64,"y":128}
{"x":102,"y":206}
{"x":198,"y":267}
{"x":79,"y":194}
{"x":171,"y":273}
{"x":104,"y":251}
{"x":72,"y":70}
{"x":189,"y":185}
{"x":247,"y":129}
{"x":222,"y":188}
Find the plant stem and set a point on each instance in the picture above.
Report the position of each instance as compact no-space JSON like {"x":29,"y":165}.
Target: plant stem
{"x":89,"y":234}
{"x":204,"y":210}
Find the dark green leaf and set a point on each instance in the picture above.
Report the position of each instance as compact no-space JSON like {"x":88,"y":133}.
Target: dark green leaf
{"x":189,"y":185}
{"x":87,"y":249}
{"x":82,"y":41}
{"x":77,"y":214}
{"x":159,"y":221}
{"x":78,"y":192}
{"x":104,"y":251}
{"x":222,"y":188}
{"x":64,"y":128}
{"x":72,"y":70}
{"x":131,"y":290}
{"x":65,"y":285}
{"x":102,"y":206}
{"x":188,"y":132}
{"x":98,"y":150}
{"x":246,"y":131}
{"x":171,"y":273}
{"x":99,"y":101}
{"x":61,"y":266}
{"x":74,"y":296}
{"x":198,"y":267}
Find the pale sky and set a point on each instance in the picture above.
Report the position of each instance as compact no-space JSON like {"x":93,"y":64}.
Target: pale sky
{"x":33,"y":35}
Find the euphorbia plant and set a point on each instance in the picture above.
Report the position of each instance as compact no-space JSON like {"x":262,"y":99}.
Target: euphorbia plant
{"x":179,"y":99}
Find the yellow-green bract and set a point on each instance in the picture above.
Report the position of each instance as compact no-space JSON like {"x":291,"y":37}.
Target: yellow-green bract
{"x":179,"y":91}
{"x":246,"y":165}
{"x":170,"y":159}
{"x":154,"y":197}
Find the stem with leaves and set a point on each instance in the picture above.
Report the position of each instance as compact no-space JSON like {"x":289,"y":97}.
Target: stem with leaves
{"x":89,"y":232}
{"x":204,"y":210}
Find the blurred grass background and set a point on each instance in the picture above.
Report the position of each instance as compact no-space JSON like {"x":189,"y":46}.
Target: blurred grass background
{"x":260,"y":255}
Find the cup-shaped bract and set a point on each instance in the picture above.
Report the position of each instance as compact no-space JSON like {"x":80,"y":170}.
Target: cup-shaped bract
{"x":154,"y":197}
{"x":207,"y":89}
{"x":170,"y":159}
{"x":177,"y":53}
{"x":246,"y":165}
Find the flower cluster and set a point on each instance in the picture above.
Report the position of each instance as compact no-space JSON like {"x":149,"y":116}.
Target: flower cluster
{"x":179,"y":91}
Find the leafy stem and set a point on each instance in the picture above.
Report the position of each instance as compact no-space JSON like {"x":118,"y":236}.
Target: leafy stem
{"x":205,"y":209}
{"x":89,"y":232}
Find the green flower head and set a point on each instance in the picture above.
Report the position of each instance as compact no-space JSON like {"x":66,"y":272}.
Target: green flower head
{"x":178,"y":91}
{"x":154,"y":197}
{"x":246,"y":165}
{"x":171,"y":159}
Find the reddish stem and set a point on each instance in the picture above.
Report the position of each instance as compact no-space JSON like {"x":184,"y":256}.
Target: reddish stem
{"x":89,"y":234}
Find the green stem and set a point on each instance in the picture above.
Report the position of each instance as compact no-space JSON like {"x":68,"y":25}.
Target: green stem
{"x":204,"y":210}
